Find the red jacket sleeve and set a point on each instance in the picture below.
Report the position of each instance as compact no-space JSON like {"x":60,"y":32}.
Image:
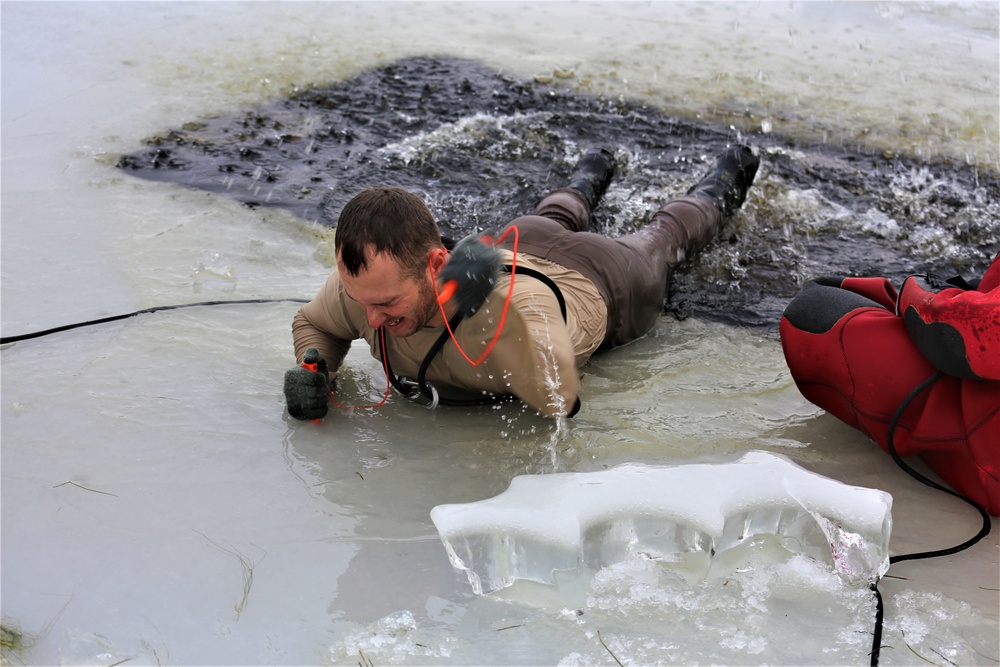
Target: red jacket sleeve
{"x":957,"y":330}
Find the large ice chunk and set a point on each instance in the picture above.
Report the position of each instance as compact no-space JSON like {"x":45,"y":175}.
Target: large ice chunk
{"x":686,"y":513}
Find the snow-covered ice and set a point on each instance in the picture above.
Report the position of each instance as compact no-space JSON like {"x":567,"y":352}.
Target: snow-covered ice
{"x":683,"y":514}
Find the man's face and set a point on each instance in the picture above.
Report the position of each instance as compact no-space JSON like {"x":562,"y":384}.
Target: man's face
{"x":400,"y":302}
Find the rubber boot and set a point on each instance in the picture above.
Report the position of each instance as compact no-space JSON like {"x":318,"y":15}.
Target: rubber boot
{"x":592,"y":175}
{"x":728,"y":180}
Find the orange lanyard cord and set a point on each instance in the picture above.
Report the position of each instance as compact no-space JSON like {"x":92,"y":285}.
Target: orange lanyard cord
{"x":503,"y":313}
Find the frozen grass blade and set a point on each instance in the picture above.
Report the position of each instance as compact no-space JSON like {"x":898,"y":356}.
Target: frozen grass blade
{"x":80,"y":486}
{"x":610,"y":652}
{"x":248,"y":568}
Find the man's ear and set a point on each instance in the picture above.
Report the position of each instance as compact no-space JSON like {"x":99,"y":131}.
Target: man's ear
{"x":439,"y":257}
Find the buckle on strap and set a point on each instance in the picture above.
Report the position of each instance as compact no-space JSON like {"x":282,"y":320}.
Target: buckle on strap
{"x":435,"y":399}
{"x":414,"y":389}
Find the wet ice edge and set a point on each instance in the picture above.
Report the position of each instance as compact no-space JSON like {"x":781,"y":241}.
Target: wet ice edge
{"x":686,"y":514}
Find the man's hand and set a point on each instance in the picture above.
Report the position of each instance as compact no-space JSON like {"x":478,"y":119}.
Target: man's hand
{"x":470,"y":274}
{"x":307,"y":392}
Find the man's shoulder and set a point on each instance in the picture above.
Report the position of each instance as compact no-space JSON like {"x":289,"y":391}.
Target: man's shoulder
{"x":340,"y":308}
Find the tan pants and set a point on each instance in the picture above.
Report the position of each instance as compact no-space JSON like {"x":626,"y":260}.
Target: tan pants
{"x":632,"y":272}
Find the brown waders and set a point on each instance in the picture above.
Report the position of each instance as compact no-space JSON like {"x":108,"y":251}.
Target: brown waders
{"x":631,"y":272}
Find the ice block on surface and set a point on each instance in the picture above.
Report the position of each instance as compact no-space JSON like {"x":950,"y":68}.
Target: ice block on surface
{"x":564,"y":521}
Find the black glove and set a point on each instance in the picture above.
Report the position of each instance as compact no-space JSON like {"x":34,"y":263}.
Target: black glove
{"x":474,"y":267}
{"x":307,"y":392}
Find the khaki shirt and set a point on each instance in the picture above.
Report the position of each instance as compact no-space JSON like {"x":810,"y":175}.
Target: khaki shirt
{"x":537,"y":357}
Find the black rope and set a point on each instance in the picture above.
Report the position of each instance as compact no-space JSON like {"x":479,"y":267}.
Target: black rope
{"x":983,"y":532}
{"x":877,"y":636}
{"x":155,"y":309}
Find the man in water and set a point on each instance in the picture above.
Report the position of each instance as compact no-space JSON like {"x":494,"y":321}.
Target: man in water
{"x":517,"y":318}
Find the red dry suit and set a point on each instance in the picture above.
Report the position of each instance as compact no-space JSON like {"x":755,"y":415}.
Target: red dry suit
{"x":857,"y":348}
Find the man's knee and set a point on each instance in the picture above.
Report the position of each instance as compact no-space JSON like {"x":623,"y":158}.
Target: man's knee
{"x":566,"y":206}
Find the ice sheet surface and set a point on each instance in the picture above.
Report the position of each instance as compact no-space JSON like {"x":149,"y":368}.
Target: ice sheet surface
{"x":685,"y":514}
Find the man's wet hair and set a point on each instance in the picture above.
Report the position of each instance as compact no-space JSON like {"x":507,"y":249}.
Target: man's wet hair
{"x":386,"y":220}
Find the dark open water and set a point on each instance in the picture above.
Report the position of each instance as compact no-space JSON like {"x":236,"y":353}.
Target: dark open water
{"x":483,"y":146}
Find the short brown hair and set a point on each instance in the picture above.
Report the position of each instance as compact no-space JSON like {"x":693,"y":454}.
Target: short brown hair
{"x":386,"y":220}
